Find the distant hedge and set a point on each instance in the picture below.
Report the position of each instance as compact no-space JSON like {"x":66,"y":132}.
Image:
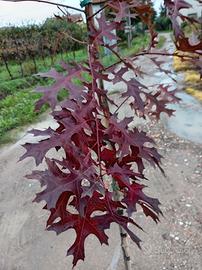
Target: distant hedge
{"x":48,"y":39}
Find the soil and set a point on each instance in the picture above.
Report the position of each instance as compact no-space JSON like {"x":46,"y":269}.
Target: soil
{"x":175,"y":243}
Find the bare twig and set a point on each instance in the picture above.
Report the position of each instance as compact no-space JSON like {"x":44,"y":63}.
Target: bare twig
{"x":97,"y":12}
{"x":48,"y":2}
{"x":75,"y":39}
{"x":133,"y":56}
{"x":124,"y":238}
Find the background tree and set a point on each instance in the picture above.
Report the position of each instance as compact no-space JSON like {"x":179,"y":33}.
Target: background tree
{"x":33,"y":42}
{"x":162,"y":21}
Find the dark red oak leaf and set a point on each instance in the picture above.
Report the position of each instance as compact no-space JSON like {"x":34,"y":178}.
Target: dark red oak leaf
{"x":62,"y":81}
{"x":182,"y":42}
{"x":104,"y":29}
{"x":83,"y":226}
{"x":57,"y":182}
{"x":134,"y":195}
{"x":118,"y":133}
{"x":121,"y":9}
{"x":95,"y":180}
{"x":135,"y":89}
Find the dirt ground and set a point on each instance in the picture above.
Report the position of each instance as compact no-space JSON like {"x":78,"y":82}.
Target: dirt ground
{"x":175,"y":243}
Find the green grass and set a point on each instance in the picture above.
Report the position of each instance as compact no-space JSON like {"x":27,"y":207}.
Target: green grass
{"x":12,"y":86}
{"x":17,"y":99}
{"x":42,"y":65}
{"x":161,"y":42}
{"x":138,"y":44}
{"x":17,"y":110}
{"x":164,"y":31}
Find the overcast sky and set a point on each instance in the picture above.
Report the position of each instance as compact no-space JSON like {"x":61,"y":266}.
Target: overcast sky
{"x":32,"y":12}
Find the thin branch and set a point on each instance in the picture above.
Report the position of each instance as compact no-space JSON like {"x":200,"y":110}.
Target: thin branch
{"x":133,"y":56}
{"x":121,"y":105}
{"x":113,"y":65}
{"x":97,"y":12}
{"x":48,"y":2}
{"x":64,"y":13}
{"x":163,"y":54}
{"x":75,"y":39}
{"x":67,"y":34}
{"x":122,"y":60}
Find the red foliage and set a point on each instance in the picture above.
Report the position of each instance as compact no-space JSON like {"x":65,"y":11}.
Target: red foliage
{"x":183,"y":43}
{"x":99,"y":150}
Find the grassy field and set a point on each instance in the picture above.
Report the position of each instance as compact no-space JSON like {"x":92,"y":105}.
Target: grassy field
{"x":161,"y":42}
{"x":17,"y":97}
